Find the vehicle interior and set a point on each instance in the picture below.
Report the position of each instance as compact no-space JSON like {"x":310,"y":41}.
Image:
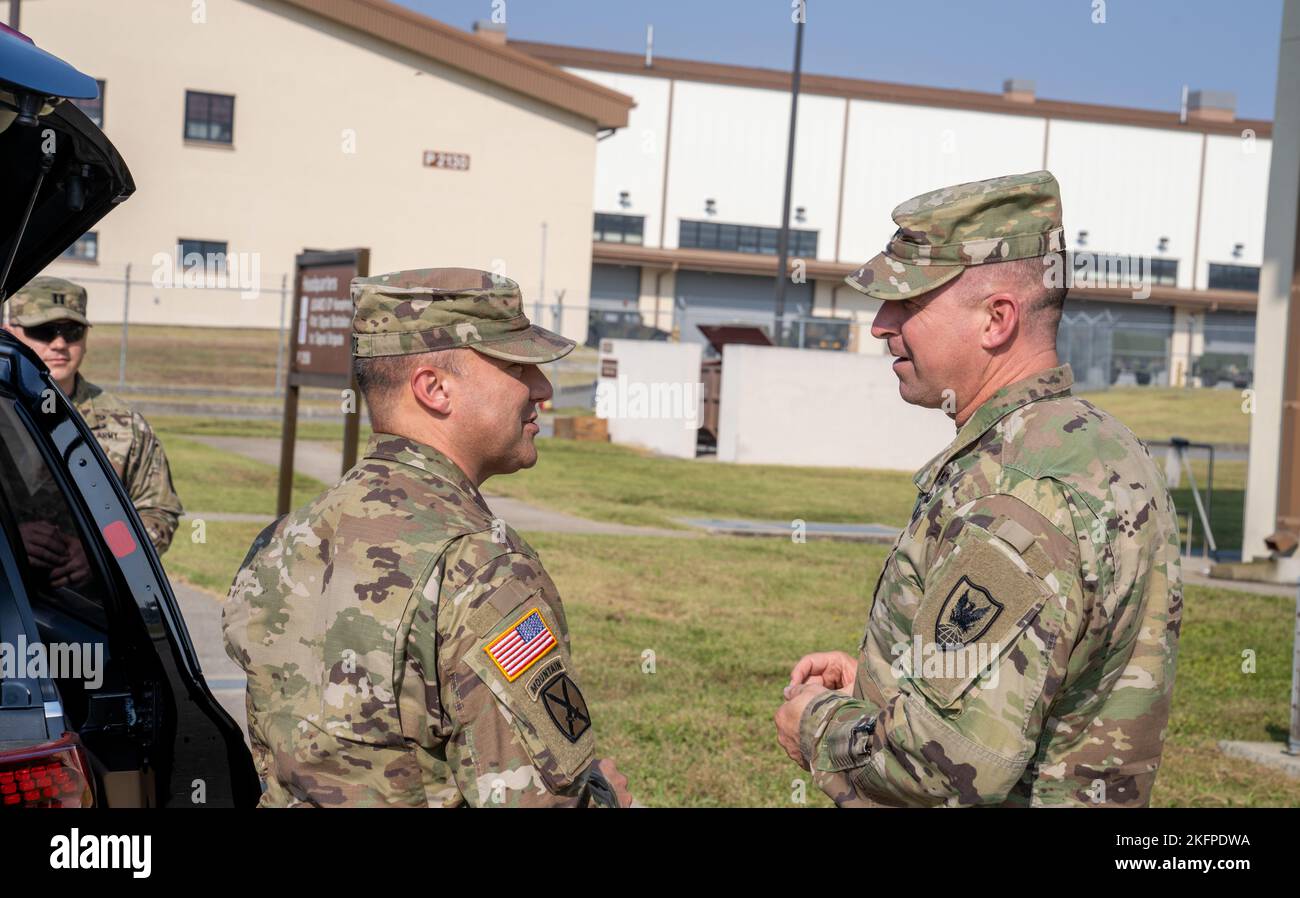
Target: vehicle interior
{"x":102,"y":701}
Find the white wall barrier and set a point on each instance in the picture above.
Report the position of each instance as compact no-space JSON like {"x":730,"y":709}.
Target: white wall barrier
{"x":650,"y":394}
{"x":821,"y":408}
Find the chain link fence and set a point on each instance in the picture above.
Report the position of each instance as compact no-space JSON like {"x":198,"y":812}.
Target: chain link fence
{"x":233,"y":338}
{"x":222,"y":349}
{"x":1105,"y":351}
{"x":238,"y":344}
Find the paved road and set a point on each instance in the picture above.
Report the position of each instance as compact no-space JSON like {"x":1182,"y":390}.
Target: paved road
{"x":202,"y":613}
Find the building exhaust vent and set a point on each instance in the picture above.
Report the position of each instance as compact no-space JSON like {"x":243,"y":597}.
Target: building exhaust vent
{"x":1211,"y":106}
{"x":1018,"y":90}
{"x":492,"y":32}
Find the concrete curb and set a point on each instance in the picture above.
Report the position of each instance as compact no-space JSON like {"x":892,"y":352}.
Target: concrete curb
{"x":1269,"y":754}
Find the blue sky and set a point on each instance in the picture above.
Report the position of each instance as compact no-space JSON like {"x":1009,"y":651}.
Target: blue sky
{"x":1141,"y":56}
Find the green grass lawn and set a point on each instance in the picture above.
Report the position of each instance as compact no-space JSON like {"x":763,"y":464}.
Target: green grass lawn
{"x":193,"y":425}
{"x":1158,"y":413}
{"x":616,"y":483}
{"x":726,"y":618}
{"x":208,"y":479}
{"x":1227,"y":508}
{"x":210,"y":564}
{"x":212,"y":357}
{"x":1215,"y":699}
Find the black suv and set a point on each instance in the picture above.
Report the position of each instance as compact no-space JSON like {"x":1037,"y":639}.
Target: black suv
{"x":102,"y":702}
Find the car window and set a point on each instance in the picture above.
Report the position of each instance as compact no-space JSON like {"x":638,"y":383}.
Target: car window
{"x":59,"y":573}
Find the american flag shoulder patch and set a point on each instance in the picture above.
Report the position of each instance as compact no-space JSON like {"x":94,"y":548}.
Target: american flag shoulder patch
{"x":526,"y":640}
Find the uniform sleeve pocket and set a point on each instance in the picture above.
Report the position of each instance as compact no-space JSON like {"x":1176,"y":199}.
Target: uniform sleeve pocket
{"x":977,"y":604}
{"x":523,"y":661}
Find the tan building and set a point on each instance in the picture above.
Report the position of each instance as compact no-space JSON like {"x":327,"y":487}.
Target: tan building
{"x":257,"y":128}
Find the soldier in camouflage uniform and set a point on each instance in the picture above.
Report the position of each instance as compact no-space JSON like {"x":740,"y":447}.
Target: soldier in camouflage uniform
{"x":1021,"y":644}
{"x":49,"y":315}
{"x":394,"y":627}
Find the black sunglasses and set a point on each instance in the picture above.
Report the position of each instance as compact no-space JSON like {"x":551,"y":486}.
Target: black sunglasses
{"x":71,"y":331}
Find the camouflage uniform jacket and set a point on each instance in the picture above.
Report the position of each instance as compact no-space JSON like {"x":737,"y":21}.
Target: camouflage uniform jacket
{"x":394,"y":628}
{"x":1021,"y":644}
{"x":136,"y":455}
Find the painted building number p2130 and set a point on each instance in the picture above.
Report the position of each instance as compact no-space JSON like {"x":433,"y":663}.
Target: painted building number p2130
{"x":439,"y":159}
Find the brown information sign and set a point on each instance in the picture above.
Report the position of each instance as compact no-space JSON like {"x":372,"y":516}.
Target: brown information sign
{"x":320,"y":350}
{"x":323,"y":342}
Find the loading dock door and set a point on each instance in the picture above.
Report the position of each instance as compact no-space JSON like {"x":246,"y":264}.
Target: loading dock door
{"x":705,"y":298}
{"x":615,"y":303}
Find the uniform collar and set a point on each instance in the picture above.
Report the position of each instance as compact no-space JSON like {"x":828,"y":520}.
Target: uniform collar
{"x":1052,"y":382}
{"x":407,"y":451}
{"x":83,"y":391}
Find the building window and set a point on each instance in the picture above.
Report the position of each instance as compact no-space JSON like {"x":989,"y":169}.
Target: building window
{"x":1165,"y":271}
{"x":1234,"y":277}
{"x":209,"y":117}
{"x":1116,"y":269}
{"x":612,"y":228}
{"x":734,"y":238}
{"x":86,"y":249}
{"x":212,"y":252}
{"x":94,"y":109}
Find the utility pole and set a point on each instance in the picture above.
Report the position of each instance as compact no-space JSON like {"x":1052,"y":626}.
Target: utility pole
{"x":541,"y":282}
{"x":783,"y":240}
{"x":1272,"y":514}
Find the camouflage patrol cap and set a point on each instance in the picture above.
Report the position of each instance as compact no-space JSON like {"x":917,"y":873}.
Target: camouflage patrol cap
{"x":430,"y":309}
{"x":46,"y":299}
{"x":942,"y":232}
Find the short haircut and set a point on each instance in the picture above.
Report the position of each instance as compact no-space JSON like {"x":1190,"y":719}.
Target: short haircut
{"x":379,"y":377}
{"x":1036,"y":278}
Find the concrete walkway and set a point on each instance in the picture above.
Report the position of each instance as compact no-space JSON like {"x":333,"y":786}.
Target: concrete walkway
{"x":321,"y":460}
{"x":1196,"y":578}
{"x":858,"y":533}
{"x":202,"y":613}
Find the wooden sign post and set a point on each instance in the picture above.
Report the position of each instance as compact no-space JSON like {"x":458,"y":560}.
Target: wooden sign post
{"x":320,"y":350}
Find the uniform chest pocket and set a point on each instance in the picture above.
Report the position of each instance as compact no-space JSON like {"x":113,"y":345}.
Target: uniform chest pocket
{"x":523,"y":660}
{"x":977,"y":606}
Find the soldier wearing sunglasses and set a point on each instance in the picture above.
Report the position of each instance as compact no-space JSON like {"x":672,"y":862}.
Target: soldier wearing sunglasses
{"x":49,"y":315}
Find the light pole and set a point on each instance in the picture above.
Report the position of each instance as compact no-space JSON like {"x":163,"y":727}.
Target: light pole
{"x":783,"y":239}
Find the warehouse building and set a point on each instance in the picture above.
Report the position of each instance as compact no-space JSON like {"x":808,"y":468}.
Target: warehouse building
{"x":258,"y":128}
{"x":688,"y":201}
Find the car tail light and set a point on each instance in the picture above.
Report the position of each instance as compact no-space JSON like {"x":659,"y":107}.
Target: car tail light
{"x":52,"y":775}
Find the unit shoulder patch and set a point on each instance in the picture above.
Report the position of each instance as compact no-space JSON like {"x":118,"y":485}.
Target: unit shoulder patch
{"x":540,"y":679}
{"x":966,"y":614}
{"x":567,"y":707}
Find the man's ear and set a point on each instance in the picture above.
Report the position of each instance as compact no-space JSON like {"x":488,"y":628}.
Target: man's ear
{"x":432,"y":388}
{"x":1003,"y":320}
